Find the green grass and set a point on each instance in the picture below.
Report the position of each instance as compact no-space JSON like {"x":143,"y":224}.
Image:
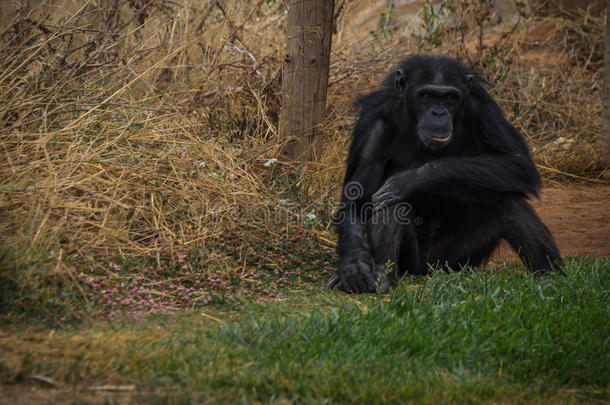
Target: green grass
{"x":461,"y":337}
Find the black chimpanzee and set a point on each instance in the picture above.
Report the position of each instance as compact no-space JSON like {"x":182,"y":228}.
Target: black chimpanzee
{"x":435,"y":175}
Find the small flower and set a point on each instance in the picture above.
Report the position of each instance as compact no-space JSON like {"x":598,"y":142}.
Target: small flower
{"x":311,"y":216}
{"x":270,"y":162}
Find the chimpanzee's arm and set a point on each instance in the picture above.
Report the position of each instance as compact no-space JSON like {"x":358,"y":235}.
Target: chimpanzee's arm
{"x":479,"y":178}
{"x":364,"y":175}
{"x":356,"y":265}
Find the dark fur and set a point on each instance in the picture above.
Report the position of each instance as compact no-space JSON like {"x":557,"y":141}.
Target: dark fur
{"x":465,"y":196}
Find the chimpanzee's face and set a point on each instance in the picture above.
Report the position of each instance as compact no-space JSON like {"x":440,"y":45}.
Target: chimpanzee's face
{"x":436,"y":107}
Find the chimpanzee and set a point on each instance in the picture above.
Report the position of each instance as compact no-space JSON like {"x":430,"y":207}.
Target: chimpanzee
{"x":435,"y":175}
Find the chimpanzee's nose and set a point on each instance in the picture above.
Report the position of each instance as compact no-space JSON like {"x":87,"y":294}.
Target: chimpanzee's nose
{"x":438,"y":111}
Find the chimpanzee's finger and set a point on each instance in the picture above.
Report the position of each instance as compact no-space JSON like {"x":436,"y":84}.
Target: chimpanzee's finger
{"x":333,"y":282}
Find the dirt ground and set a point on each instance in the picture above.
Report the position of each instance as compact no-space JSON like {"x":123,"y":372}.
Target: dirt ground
{"x":34,"y":393}
{"x":579,"y":218}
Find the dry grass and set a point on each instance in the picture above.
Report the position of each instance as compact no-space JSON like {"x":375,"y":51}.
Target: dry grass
{"x":142,"y":128}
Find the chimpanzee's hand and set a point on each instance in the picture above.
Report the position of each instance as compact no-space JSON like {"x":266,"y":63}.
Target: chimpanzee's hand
{"x":356,"y":273}
{"x":394,"y":190}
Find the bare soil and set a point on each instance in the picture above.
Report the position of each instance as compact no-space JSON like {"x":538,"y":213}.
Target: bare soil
{"x":33,"y":393}
{"x":579,"y":218}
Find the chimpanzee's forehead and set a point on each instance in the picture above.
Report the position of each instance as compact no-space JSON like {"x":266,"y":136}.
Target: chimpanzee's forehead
{"x":431,"y":75}
{"x":432,"y":69}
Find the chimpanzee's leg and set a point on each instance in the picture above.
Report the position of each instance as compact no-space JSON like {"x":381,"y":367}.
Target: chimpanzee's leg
{"x":482,"y":227}
{"x":393,"y":241}
{"x":471,"y":240}
{"x":530,"y":238}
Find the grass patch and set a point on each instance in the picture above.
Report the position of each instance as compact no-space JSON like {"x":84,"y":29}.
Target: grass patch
{"x":461,"y":337}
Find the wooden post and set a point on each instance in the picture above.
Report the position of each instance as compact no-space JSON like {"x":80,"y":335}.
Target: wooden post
{"x":606,"y":99}
{"x":305,"y":77}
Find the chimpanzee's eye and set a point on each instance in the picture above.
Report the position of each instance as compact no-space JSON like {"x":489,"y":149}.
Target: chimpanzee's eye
{"x":450,"y":97}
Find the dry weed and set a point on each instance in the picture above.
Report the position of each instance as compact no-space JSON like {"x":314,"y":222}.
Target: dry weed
{"x":146,"y":129}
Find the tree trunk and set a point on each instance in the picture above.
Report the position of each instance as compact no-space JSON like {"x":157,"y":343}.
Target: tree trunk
{"x":305,"y":77}
{"x":606,"y":115}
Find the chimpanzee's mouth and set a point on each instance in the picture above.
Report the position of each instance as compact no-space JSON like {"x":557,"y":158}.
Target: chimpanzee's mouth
{"x":438,"y":139}
{"x":432,"y":135}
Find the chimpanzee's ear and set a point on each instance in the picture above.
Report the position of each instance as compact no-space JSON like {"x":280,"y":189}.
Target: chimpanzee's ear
{"x":400,"y":82}
{"x":469,"y":81}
